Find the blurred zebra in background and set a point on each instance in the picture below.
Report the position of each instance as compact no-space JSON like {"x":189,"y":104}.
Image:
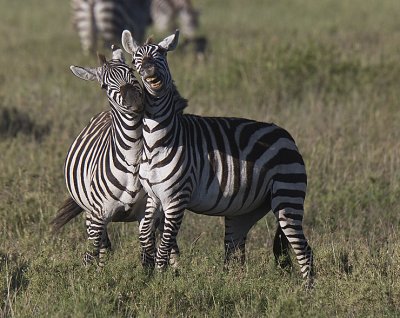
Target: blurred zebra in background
{"x":169,"y":15}
{"x":218,"y":166}
{"x":102,"y":164}
{"x":104,"y":20}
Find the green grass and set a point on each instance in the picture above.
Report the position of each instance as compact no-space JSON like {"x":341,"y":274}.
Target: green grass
{"x":328,"y":71}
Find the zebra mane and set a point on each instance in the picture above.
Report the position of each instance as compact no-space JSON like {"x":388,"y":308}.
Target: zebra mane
{"x":179,"y":102}
{"x":149,"y":40}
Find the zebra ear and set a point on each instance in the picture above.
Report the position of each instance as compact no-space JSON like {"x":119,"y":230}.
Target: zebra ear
{"x":171,"y":42}
{"x":85,"y":73}
{"x":128,"y":42}
{"x":117,"y":53}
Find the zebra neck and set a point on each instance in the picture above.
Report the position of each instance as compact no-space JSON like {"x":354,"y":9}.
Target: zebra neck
{"x":156,"y":107}
{"x":160,"y":121}
{"x":126,"y":133}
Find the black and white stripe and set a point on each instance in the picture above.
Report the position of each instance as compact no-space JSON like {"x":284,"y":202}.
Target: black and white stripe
{"x":102,"y":164}
{"x":106,"y":19}
{"x":230,"y":167}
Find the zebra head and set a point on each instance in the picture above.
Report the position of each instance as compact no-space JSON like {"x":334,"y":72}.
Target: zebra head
{"x":150,"y":61}
{"x":123,"y":89}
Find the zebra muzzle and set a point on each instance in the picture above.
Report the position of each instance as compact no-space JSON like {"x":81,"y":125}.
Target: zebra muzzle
{"x":132,"y":97}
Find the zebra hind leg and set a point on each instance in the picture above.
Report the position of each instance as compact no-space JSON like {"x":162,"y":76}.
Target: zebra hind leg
{"x":105,"y":247}
{"x":290,"y":220}
{"x":281,"y":250}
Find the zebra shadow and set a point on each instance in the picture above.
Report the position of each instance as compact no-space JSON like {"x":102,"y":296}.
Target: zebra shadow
{"x":13,"y":122}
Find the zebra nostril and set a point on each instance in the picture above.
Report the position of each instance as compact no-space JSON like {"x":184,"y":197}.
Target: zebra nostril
{"x":148,"y":70}
{"x":132,"y":96}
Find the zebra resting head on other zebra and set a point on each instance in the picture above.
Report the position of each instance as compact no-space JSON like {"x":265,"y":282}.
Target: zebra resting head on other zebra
{"x":218,"y":166}
{"x":130,"y":98}
{"x":102,"y":164}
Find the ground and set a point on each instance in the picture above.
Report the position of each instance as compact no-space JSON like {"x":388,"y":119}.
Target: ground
{"x":327,"y":71}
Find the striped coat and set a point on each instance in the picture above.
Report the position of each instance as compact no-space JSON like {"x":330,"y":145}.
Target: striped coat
{"x":232,"y":167}
{"x":102,"y":164}
{"x":104,"y":20}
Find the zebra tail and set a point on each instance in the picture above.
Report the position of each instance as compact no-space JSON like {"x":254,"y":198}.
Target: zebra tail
{"x":66,"y":213}
{"x":281,"y":250}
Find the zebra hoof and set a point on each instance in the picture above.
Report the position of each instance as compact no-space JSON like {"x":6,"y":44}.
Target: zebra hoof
{"x":309,"y":284}
{"x":161,"y":267}
{"x":88,"y":259}
{"x":173,"y":262}
{"x":147,"y":260}
{"x":284,"y":263}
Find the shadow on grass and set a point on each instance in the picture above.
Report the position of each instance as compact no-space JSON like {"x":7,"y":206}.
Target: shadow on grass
{"x":14,"y":122}
{"x":345,"y":263}
{"x":16,"y":280}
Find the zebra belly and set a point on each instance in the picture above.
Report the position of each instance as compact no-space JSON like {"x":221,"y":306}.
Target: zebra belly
{"x":119,"y":200}
{"x":125,"y":208}
{"x":220,"y":205}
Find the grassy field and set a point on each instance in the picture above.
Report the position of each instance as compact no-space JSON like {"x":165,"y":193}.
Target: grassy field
{"x":328,"y":71}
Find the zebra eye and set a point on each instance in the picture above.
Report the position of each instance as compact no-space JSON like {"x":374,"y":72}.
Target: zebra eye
{"x":104,"y":86}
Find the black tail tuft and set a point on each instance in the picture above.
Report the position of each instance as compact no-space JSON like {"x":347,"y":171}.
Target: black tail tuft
{"x":66,"y":213}
{"x":281,"y":250}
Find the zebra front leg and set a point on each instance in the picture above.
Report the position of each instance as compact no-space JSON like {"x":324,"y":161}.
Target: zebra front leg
{"x":175,"y":253}
{"x":236,"y":230}
{"x":290,"y":220}
{"x":235,"y":252}
{"x":147,"y":234}
{"x":172,"y":223}
{"x":234,"y":242}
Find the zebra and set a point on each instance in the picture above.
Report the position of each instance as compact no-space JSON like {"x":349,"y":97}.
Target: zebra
{"x":219,"y":166}
{"x":106,"y":19}
{"x":102,"y":165}
{"x":167,"y":15}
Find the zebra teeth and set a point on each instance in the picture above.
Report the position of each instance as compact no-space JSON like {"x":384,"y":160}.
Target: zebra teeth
{"x":155,"y":85}
{"x":154,"y":82}
{"x":150,"y":79}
